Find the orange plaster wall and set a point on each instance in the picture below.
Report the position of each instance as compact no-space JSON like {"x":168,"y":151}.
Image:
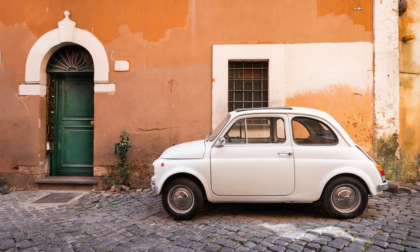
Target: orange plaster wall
{"x":165,"y":98}
{"x":351,"y":108}
{"x":20,"y":117}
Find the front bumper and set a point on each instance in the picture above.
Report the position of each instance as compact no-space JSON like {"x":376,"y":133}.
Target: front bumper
{"x":383,"y":187}
{"x":153,"y":185}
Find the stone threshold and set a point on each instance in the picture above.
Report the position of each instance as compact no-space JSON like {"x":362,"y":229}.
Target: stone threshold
{"x":68,"y":180}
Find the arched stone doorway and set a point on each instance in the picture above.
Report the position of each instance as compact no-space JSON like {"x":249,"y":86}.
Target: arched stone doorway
{"x":70,"y":99}
{"x":38,"y":76}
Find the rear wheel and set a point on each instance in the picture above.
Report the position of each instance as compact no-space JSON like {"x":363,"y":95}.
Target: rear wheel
{"x":345,"y":197}
{"x":182,"y":198}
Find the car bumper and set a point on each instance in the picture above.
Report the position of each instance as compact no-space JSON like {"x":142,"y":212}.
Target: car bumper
{"x":153,"y":185}
{"x":383,"y":187}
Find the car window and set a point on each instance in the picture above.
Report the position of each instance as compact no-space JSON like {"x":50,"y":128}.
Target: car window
{"x":236,"y":133}
{"x":257,"y":130}
{"x":281,"y":132}
{"x":309,"y":131}
{"x":216,"y":131}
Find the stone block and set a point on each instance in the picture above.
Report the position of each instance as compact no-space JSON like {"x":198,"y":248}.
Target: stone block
{"x":100,"y":171}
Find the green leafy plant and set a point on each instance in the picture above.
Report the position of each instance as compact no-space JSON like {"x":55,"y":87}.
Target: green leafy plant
{"x":120,"y":173}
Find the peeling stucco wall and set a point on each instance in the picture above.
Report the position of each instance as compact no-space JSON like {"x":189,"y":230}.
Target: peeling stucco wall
{"x":386,"y":68}
{"x":166,"y":96}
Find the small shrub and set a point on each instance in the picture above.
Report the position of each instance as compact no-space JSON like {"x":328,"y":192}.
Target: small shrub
{"x":120,"y":173}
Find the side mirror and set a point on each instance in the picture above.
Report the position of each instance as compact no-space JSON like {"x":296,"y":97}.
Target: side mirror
{"x":221,"y":142}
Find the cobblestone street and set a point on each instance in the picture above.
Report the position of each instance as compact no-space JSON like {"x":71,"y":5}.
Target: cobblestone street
{"x":97,"y":221}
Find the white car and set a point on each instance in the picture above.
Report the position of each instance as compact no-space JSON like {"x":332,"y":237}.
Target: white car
{"x":269,"y":155}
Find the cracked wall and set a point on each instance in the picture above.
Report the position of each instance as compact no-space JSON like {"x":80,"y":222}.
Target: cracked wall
{"x":386,"y":68}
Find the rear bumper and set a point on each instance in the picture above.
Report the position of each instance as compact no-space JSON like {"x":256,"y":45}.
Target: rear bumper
{"x":383,"y":187}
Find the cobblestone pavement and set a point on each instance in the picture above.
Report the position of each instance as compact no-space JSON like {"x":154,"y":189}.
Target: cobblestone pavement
{"x":98,"y":221}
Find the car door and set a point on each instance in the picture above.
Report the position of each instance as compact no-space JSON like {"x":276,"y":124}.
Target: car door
{"x":318,"y":151}
{"x":256,"y":159}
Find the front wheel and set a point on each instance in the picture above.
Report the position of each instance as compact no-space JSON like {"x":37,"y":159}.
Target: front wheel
{"x":182,"y":198}
{"x":345,"y":197}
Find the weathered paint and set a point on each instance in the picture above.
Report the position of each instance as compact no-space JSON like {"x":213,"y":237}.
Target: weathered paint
{"x":101,"y":17}
{"x":409,"y":137}
{"x":397,"y":164}
{"x":386,"y":68}
{"x":295,"y":69}
{"x":166,"y":96}
{"x":351,"y":107}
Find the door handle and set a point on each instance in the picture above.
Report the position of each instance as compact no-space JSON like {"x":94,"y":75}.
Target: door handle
{"x":92,"y":123}
{"x":285,"y":153}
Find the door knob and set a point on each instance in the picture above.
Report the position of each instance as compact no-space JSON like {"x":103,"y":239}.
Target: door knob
{"x":92,"y":123}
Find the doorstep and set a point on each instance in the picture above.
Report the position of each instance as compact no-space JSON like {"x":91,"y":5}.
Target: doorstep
{"x":67,"y":183}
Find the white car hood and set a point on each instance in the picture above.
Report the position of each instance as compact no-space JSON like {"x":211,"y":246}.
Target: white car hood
{"x":189,"y":150}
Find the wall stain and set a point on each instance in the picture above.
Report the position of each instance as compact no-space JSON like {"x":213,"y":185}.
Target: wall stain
{"x":398,"y":166}
{"x":363,"y":17}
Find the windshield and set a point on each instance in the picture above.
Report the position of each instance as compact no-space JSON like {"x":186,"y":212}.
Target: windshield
{"x":212,"y":135}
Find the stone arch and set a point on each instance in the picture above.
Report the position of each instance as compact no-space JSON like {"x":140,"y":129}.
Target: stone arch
{"x":47,"y":44}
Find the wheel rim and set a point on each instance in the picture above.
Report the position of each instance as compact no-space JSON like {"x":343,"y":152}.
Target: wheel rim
{"x":181,"y":199}
{"x":346,"y":198}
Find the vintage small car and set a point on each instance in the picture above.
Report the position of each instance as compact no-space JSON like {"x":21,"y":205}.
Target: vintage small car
{"x":269,"y":155}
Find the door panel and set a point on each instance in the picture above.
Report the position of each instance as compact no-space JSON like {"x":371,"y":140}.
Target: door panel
{"x":257,"y":159}
{"x":73,"y":152}
{"x":78,"y":100}
{"x":82,"y":138}
{"x":252,"y":170}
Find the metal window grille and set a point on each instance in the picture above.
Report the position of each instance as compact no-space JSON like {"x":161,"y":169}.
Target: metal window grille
{"x":248,"y":84}
{"x":70,"y":59}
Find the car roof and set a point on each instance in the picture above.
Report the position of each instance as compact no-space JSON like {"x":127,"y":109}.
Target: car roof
{"x":295,"y":111}
{"x":283,"y":110}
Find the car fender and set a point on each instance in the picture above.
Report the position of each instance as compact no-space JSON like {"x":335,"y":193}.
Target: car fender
{"x":350,"y":171}
{"x":174,"y":171}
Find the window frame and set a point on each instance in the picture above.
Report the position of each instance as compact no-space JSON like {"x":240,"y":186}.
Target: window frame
{"x":273,"y":128}
{"x":273,"y":53}
{"x":330,"y":128}
{"x":247,"y":87}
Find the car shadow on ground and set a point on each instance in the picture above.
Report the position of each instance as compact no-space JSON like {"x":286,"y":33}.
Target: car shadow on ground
{"x":263,"y":210}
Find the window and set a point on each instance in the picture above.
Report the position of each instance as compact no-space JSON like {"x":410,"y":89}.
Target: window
{"x":273,"y":54}
{"x":308,"y":131}
{"x":248,"y":84}
{"x":236,"y":133}
{"x":256,"y":130}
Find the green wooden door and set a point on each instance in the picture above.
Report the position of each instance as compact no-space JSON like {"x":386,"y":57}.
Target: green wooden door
{"x":73,"y":134}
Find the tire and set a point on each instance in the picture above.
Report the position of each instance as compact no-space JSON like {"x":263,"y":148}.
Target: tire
{"x":345,"y":198}
{"x":182,"y":198}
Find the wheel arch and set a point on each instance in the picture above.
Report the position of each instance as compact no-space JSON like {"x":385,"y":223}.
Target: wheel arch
{"x":346,"y":175}
{"x":187,"y":176}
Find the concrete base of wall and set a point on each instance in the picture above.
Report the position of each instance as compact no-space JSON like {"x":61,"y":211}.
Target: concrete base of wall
{"x":67,"y":183}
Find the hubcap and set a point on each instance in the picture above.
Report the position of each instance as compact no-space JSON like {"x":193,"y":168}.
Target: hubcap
{"x":346,"y":198}
{"x":181,"y":199}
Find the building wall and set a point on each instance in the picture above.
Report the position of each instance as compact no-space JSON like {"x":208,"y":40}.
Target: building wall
{"x":410,"y":89}
{"x":166,"y":96}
